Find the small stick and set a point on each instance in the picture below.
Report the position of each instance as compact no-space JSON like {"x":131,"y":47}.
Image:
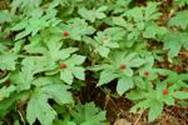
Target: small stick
{"x":138,"y":119}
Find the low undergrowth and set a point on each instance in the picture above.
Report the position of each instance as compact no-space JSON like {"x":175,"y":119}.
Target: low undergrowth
{"x":51,"y":51}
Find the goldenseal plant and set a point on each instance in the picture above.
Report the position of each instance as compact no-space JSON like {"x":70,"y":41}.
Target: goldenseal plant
{"x":49,"y":49}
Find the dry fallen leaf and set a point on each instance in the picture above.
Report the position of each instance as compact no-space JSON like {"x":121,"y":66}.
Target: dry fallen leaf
{"x":122,"y":122}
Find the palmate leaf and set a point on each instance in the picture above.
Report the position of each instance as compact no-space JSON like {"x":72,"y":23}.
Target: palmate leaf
{"x":38,"y":106}
{"x":88,"y":114}
{"x":108,"y":39}
{"x":25,"y":5}
{"x":94,"y":14}
{"x":31,"y":66}
{"x":151,"y":11}
{"x":58,"y":92}
{"x":8,"y":61}
{"x":180,"y":20}
{"x":56,"y":52}
{"x":73,"y":69}
{"x":148,"y":13}
{"x":174,"y":41}
{"x":36,"y":46}
{"x":155,"y":108}
{"x":78,"y":28}
{"x":113,"y":69}
{"x":35,"y":24}
{"x":154,"y":31}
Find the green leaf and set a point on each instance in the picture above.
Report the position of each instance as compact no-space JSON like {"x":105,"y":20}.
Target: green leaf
{"x":106,"y":76}
{"x":120,"y":21}
{"x":108,"y":39}
{"x":33,"y":25}
{"x":78,"y":28}
{"x":181,"y":95}
{"x":181,"y":3}
{"x":155,"y":110}
{"x":92,"y":15}
{"x":5,"y":17}
{"x":66,"y":76}
{"x":103,"y":51}
{"x":154,"y":31}
{"x":38,"y":108}
{"x":88,"y":114}
{"x":54,"y":45}
{"x":35,"y":46}
{"x":31,"y":66}
{"x":65,"y":122}
{"x":136,"y":62}
{"x":5,"y":105}
{"x":174,"y":41}
{"x":79,"y":73}
{"x":65,"y":53}
{"x":180,"y":19}
{"x":59,"y":93}
{"x":23,"y":79}
{"x":169,"y":100}
{"x":8,"y":61}
{"x":151,"y":11}
{"x":73,"y":69}
{"x":6,"y":91}
{"x":140,"y":83}
{"x":142,"y":105}
{"x":124,"y":84}
{"x":136,"y":95}
{"x":75,"y":60}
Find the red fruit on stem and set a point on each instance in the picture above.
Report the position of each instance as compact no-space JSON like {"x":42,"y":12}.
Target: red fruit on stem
{"x":146,"y":73}
{"x":122,"y":67}
{"x":66,"y":33}
{"x":165,"y":91}
{"x":63,"y":66}
{"x":179,"y":69}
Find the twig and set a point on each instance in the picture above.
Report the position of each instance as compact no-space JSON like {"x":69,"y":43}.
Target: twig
{"x":21,"y":117}
{"x":138,"y":119}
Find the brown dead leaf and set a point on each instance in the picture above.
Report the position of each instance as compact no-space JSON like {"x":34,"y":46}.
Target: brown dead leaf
{"x":122,"y":122}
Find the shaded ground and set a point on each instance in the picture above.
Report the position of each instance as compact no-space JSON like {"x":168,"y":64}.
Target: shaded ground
{"x":118,"y":108}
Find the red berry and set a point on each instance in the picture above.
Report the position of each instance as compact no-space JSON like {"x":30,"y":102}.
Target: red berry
{"x":63,"y":66}
{"x":165,"y":91}
{"x":66,"y":33}
{"x":146,"y":73}
{"x":122,"y":67}
{"x":179,"y":69}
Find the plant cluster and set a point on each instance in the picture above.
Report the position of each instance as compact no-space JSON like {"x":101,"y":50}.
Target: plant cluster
{"x":46,"y":47}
